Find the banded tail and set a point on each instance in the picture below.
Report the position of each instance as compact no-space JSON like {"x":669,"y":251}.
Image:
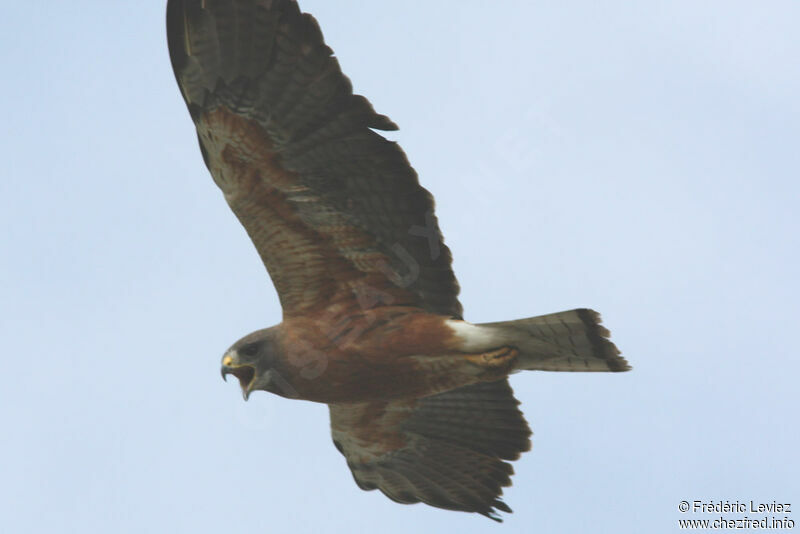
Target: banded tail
{"x":573,"y":340}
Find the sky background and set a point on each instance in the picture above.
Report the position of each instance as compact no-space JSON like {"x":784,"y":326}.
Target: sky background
{"x":638,"y":158}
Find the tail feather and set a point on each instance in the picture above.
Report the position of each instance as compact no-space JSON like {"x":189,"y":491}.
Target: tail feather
{"x":573,"y":340}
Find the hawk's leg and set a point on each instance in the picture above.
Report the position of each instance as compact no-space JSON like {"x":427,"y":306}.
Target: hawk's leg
{"x":496,"y":360}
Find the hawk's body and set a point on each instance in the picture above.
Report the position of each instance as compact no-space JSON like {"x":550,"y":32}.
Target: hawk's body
{"x":379,"y":354}
{"x":420,"y":402}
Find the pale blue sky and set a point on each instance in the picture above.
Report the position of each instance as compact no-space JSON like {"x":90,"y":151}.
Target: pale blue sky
{"x":637,"y":158}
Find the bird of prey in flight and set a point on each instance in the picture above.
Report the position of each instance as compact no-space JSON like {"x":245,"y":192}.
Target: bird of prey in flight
{"x":419,"y":399}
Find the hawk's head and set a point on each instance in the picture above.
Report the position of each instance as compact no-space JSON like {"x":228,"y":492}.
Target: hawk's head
{"x":252,"y":361}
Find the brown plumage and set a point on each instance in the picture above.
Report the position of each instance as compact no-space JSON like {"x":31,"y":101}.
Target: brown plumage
{"x":420,"y":403}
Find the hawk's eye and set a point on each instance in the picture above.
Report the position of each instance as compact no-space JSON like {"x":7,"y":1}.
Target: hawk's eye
{"x":251,"y":349}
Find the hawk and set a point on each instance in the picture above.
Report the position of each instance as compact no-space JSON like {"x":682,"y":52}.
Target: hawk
{"x":419,"y":399}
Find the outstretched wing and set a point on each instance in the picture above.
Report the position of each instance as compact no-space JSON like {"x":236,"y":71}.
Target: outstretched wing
{"x":446,"y":450}
{"x":335,"y":210}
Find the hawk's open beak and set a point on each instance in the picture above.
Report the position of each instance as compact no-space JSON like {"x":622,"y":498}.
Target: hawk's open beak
{"x":245,"y":373}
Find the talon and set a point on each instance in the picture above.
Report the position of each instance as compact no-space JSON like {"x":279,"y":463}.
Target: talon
{"x":495,"y":358}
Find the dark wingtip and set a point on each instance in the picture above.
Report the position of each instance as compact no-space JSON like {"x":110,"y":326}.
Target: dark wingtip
{"x":500,"y":505}
{"x":493,"y":515}
{"x":176,"y":34}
